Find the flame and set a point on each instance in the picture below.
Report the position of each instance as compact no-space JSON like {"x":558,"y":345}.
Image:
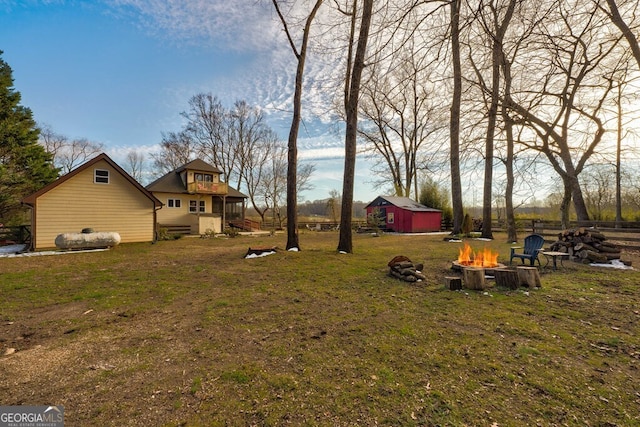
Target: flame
{"x":484,"y":258}
{"x":464,"y":257}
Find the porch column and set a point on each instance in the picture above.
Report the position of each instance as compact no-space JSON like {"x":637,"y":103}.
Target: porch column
{"x":224,"y":212}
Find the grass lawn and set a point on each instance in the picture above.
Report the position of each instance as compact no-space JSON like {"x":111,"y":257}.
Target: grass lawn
{"x":188,"y":332}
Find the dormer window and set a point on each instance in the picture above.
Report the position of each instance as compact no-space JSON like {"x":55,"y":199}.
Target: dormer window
{"x":204,"y":177}
{"x":100,"y":176}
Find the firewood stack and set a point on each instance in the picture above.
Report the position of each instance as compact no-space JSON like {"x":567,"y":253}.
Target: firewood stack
{"x":402,"y":268}
{"x":586,"y":245}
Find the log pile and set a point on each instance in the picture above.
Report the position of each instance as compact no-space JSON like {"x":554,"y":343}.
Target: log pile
{"x":586,"y":245}
{"x":404,"y":269}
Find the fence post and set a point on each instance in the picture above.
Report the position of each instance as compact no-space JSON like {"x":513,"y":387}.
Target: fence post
{"x":538,"y":226}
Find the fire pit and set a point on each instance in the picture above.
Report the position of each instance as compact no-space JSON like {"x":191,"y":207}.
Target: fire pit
{"x":475,"y":267}
{"x":486,"y":259}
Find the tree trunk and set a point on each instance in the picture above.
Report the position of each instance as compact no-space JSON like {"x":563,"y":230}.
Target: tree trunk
{"x":345,"y":243}
{"x":507,"y":278}
{"x":565,"y":205}
{"x":618,"y":156}
{"x":487,"y":196}
{"x":454,"y":125}
{"x":582,"y":214}
{"x":453,"y":283}
{"x":473,"y":278}
{"x":512,"y":233}
{"x":292,"y":167}
{"x":529,"y":277}
{"x":496,"y":62}
{"x":292,"y":153}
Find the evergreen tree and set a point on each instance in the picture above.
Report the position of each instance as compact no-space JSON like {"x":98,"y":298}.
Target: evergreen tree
{"x":25,"y":166}
{"x":434,"y":196}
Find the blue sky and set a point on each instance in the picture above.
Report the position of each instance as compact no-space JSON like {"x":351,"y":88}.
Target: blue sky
{"x":120,"y":72}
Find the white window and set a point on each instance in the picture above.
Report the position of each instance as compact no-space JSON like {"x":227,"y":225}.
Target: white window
{"x":174,"y":203}
{"x":196,"y":206}
{"x":390,"y":218}
{"x":100,"y":176}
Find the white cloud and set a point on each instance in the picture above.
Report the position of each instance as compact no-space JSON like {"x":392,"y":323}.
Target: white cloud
{"x":249,"y":27}
{"x":237,"y":25}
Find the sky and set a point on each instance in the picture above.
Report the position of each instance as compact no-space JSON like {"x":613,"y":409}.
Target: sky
{"x":120,"y":72}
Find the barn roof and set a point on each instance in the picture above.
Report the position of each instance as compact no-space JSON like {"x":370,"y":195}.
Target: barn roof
{"x":401,"y":202}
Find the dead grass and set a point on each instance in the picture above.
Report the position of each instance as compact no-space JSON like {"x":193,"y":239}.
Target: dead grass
{"x":188,"y":332}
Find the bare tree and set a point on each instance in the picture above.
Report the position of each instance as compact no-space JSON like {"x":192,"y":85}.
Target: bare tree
{"x":292,"y":153}
{"x":303,"y":183}
{"x":512,"y":233}
{"x":619,"y":155}
{"x":333,"y":205}
{"x":237,"y":141}
{"x":625,"y":111}
{"x":208,"y":127}
{"x":564,"y":106}
{"x":599,"y":190}
{"x":631,"y":195}
{"x":225,"y":137}
{"x":176,"y":149}
{"x":495,"y":18}
{"x":528,"y":22}
{"x":402,"y":116}
{"x":454,"y":120}
{"x":260,"y":180}
{"x":506,"y":26}
{"x":352,"y":95}
{"x":68,"y":153}
{"x":267,"y":185}
{"x":52,"y":141}
{"x":135,"y":164}
{"x":247,"y":132}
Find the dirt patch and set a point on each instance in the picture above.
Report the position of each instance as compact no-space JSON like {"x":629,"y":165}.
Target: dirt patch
{"x":86,"y":356}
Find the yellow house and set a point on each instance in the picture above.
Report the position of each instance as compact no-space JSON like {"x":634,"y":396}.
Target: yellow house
{"x":196,"y":200}
{"x":98,"y":194}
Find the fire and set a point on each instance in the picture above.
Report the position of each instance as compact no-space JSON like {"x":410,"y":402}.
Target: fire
{"x":484,"y":258}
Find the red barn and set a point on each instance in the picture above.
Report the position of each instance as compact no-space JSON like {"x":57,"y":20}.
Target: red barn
{"x":403,"y":215}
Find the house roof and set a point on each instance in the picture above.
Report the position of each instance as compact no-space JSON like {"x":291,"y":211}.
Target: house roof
{"x":401,"y":202}
{"x":31,"y":199}
{"x":169,"y":183}
{"x":172,"y":182}
{"x":199,"y":165}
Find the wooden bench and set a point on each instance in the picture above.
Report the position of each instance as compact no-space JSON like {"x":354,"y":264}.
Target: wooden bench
{"x":175,"y":228}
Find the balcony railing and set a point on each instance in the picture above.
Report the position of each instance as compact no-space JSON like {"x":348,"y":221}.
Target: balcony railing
{"x":208,"y":187}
